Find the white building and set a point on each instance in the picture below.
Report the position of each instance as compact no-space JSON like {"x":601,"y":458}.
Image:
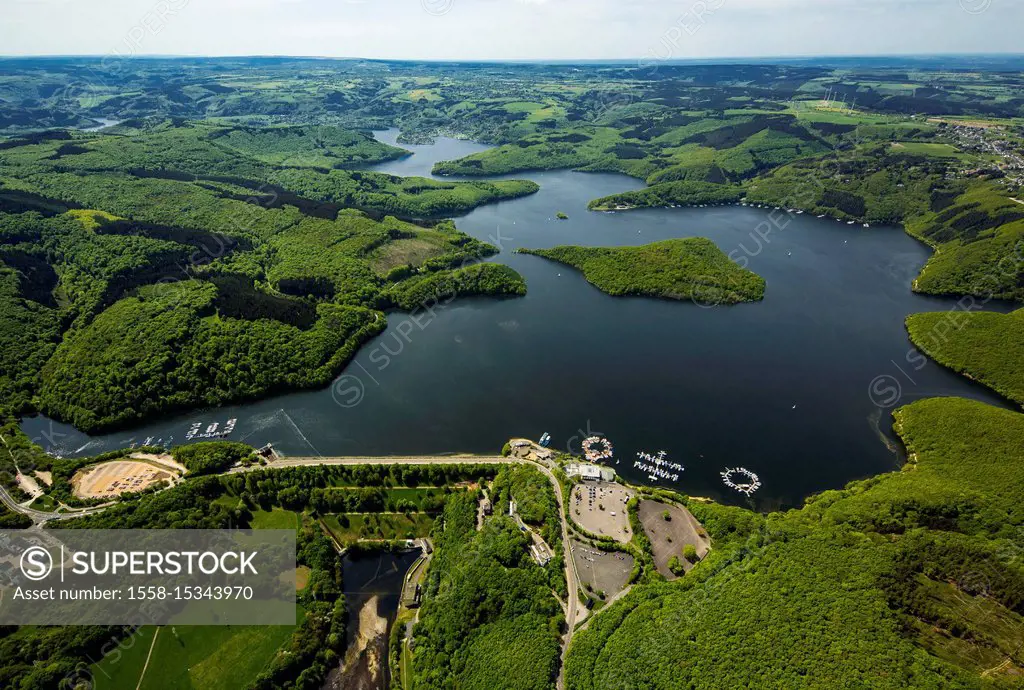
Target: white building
{"x":589,"y":472}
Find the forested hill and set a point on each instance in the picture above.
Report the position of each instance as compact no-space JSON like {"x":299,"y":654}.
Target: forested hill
{"x":167,"y":265}
{"x":691,"y":268}
{"x":911,"y":579}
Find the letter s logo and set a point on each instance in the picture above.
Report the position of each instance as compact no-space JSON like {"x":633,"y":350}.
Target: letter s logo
{"x":36,"y":563}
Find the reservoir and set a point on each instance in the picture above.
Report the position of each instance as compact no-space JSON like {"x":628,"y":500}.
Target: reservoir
{"x":798,"y":388}
{"x":373,"y":588}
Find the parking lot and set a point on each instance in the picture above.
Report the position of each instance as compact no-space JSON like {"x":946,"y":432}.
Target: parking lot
{"x":604,"y":572}
{"x":600,"y":508}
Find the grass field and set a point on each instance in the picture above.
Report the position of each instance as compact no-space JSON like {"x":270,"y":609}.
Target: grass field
{"x":123,"y":667}
{"x":927,"y":149}
{"x":228,"y":501}
{"x":352,"y":526}
{"x":276,"y":518}
{"x":189,"y":657}
{"x":44,"y":503}
{"x":412,"y":251}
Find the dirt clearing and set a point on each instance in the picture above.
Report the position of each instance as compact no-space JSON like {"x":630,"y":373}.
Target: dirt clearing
{"x":111,"y":479}
{"x":670,"y":537}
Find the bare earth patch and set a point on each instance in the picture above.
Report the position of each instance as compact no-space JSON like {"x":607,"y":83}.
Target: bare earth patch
{"x":165,"y":459}
{"x":402,"y":252}
{"x":603,"y":571}
{"x":111,"y":479}
{"x":668,"y":537}
{"x":29,"y":485}
{"x":600,"y":508}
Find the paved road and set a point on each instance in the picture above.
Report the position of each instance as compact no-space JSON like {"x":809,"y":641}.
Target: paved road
{"x":39,"y":516}
{"x":571,"y":578}
{"x":570,"y":569}
{"x":36,"y":515}
{"x":379,"y":460}
{"x":570,"y":574}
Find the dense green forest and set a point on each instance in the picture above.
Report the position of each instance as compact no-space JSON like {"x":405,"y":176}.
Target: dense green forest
{"x":972,"y":222}
{"x":489,"y":618}
{"x":172,"y":265}
{"x":212,"y":457}
{"x":691,"y":268}
{"x":39,"y":658}
{"x":982,"y":345}
{"x":678,"y":193}
{"x":910,"y":579}
{"x":167,"y":347}
{"x":272,"y":204}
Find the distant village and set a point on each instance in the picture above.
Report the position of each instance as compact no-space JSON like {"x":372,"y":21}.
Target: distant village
{"x":994,"y":141}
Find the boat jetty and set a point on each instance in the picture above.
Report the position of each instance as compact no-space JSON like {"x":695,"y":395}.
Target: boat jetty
{"x":741,"y":479}
{"x":657,"y":467}
{"x":596,"y":449}
{"x":213,"y":430}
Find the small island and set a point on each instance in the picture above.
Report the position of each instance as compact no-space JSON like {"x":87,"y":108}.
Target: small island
{"x":691,"y":268}
{"x":679,"y":193}
{"x":560,"y":215}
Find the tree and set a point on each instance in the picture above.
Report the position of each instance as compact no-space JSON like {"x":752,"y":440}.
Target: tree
{"x":690,"y":553}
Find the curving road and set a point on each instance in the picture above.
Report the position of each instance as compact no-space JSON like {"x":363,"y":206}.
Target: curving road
{"x":39,"y":517}
{"x":14,"y":506}
{"x":571,"y":578}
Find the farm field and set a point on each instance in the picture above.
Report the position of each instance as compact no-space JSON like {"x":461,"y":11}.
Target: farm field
{"x":192,"y":657}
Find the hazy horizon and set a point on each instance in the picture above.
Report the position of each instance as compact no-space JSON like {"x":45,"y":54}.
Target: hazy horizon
{"x":512,"y":30}
{"x":540,"y":60}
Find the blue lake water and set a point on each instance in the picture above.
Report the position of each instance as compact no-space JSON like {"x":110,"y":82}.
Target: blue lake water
{"x":797,"y":388}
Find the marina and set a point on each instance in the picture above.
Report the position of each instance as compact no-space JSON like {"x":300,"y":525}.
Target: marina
{"x":213,"y":430}
{"x":741,"y":479}
{"x":657,"y":467}
{"x":597,"y":449}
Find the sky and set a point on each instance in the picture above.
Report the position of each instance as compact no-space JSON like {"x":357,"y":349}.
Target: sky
{"x":510,"y":29}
